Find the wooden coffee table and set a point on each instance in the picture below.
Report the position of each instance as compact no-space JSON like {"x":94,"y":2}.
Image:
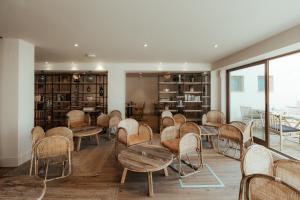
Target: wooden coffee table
{"x":209,"y":131}
{"x":22,"y":187}
{"x":147,"y":159}
{"x":86,"y":132}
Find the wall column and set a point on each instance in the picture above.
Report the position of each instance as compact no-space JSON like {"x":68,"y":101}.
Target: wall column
{"x":16,"y":101}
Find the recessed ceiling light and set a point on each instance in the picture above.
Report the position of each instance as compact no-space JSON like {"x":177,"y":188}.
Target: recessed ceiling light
{"x":90,"y":55}
{"x":46,"y":62}
{"x":186,"y":63}
{"x":145,"y":45}
{"x":76,"y":45}
{"x":216,"y":45}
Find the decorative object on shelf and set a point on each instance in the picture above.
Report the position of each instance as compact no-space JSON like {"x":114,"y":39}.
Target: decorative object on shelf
{"x":167,"y":76}
{"x":90,"y":78}
{"x":49,"y":117}
{"x":38,"y":98}
{"x":88,"y":89}
{"x":191,"y":89}
{"x":167,"y":89}
{"x":89,"y":109}
{"x":76,"y":78}
{"x":42,"y":78}
{"x":101,"y":91}
{"x":90,"y":98}
{"x":179,"y":78}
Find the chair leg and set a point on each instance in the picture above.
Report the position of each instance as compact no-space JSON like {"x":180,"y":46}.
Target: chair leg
{"x":116,"y":149}
{"x":31,"y":163}
{"x":36,"y":167}
{"x":63,"y":168}
{"x":47,"y":167}
{"x":281,"y":142}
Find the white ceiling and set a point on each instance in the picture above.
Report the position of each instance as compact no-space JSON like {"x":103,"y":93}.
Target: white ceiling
{"x":115,"y":30}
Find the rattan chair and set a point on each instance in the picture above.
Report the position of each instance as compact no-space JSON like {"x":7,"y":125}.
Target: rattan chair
{"x":77,"y":119}
{"x":277,"y":126}
{"x":130,"y":132}
{"x":115,"y":112}
{"x":103,"y":122}
{"x":62,"y":131}
{"x":113,"y":125}
{"x":179,"y":120}
{"x":264,"y":187}
{"x":257,"y":160}
{"x":288,"y":171}
{"x":37,"y":133}
{"x":138,"y":111}
{"x":238,"y":133}
{"x":213,"y":118}
{"x":53,"y":149}
{"x":166,"y":121}
{"x":166,"y":113}
{"x":182,"y":142}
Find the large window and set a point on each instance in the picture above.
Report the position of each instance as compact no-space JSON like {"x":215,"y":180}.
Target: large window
{"x":273,"y":105}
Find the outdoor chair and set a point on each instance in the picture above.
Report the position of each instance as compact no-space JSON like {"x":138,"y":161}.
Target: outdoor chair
{"x":213,"y":118}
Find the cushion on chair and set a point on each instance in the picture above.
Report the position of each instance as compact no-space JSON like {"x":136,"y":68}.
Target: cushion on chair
{"x":172,"y":145}
{"x":285,"y":129}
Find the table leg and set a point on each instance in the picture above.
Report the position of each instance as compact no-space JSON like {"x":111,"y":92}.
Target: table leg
{"x":166,"y":171}
{"x":97,"y":139}
{"x":124,"y":175}
{"x":150,"y":184}
{"x":78,"y":143}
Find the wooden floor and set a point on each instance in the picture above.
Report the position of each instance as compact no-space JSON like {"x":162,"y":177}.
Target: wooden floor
{"x":106,"y":184}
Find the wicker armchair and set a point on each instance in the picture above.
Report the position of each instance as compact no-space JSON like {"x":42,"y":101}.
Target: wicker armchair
{"x":62,"y":131}
{"x":53,"y":149}
{"x":179,"y":120}
{"x":115,"y":112}
{"x":213,"y":118}
{"x":166,"y":113}
{"x":237,"y":132}
{"x":138,"y":113}
{"x":288,"y":171}
{"x":131,"y":133}
{"x":166,"y":121}
{"x":113,"y":125}
{"x":182,"y":142}
{"x":264,"y":187}
{"x":257,"y":160}
{"x":78,"y":119}
{"x":37,"y":133}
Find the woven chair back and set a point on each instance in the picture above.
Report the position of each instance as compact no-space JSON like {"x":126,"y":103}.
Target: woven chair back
{"x":62,"y":131}
{"x":167,"y":121}
{"x":179,"y":119}
{"x":75,"y":118}
{"x":263,"y":187}
{"x":166,"y":113}
{"x":52,"y":147}
{"x":215,"y":116}
{"x":37,"y":133}
{"x":288,"y":171}
{"x":130,"y":125}
{"x":103,"y":120}
{"x":189,"y":143}
{"x":189,"y":127}
{"x":115,"y":112}
{"x":257,"y":160}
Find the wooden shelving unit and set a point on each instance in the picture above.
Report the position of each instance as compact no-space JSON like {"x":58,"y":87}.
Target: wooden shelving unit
{"x":58,"y":93}
{"x":187,"y":93}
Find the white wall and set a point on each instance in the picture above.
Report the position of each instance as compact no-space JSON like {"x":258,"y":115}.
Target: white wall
{"x":16,"y":101}
{"x":117,"y":73}
{"x":142,"y":89}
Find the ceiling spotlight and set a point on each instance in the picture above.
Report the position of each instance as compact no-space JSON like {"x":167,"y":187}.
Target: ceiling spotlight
{"x":145,"y":45}
{"x":186,"y":63}
{"x":76,"y":45}
{"x":46,"y":62}
{"x":216,"y":45}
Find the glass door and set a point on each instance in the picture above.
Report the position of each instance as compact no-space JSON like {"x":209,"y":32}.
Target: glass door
{"x":284,"y":102}
{"x":247,"y":98}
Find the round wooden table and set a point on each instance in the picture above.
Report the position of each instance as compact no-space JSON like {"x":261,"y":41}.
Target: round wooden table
{"x":22,"y":187}
{"x":147,"y":159}
{"x":87,"y":132}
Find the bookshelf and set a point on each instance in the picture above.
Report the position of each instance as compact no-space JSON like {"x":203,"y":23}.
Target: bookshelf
{"x":186,"y":93}
{"x":58,"y":93}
